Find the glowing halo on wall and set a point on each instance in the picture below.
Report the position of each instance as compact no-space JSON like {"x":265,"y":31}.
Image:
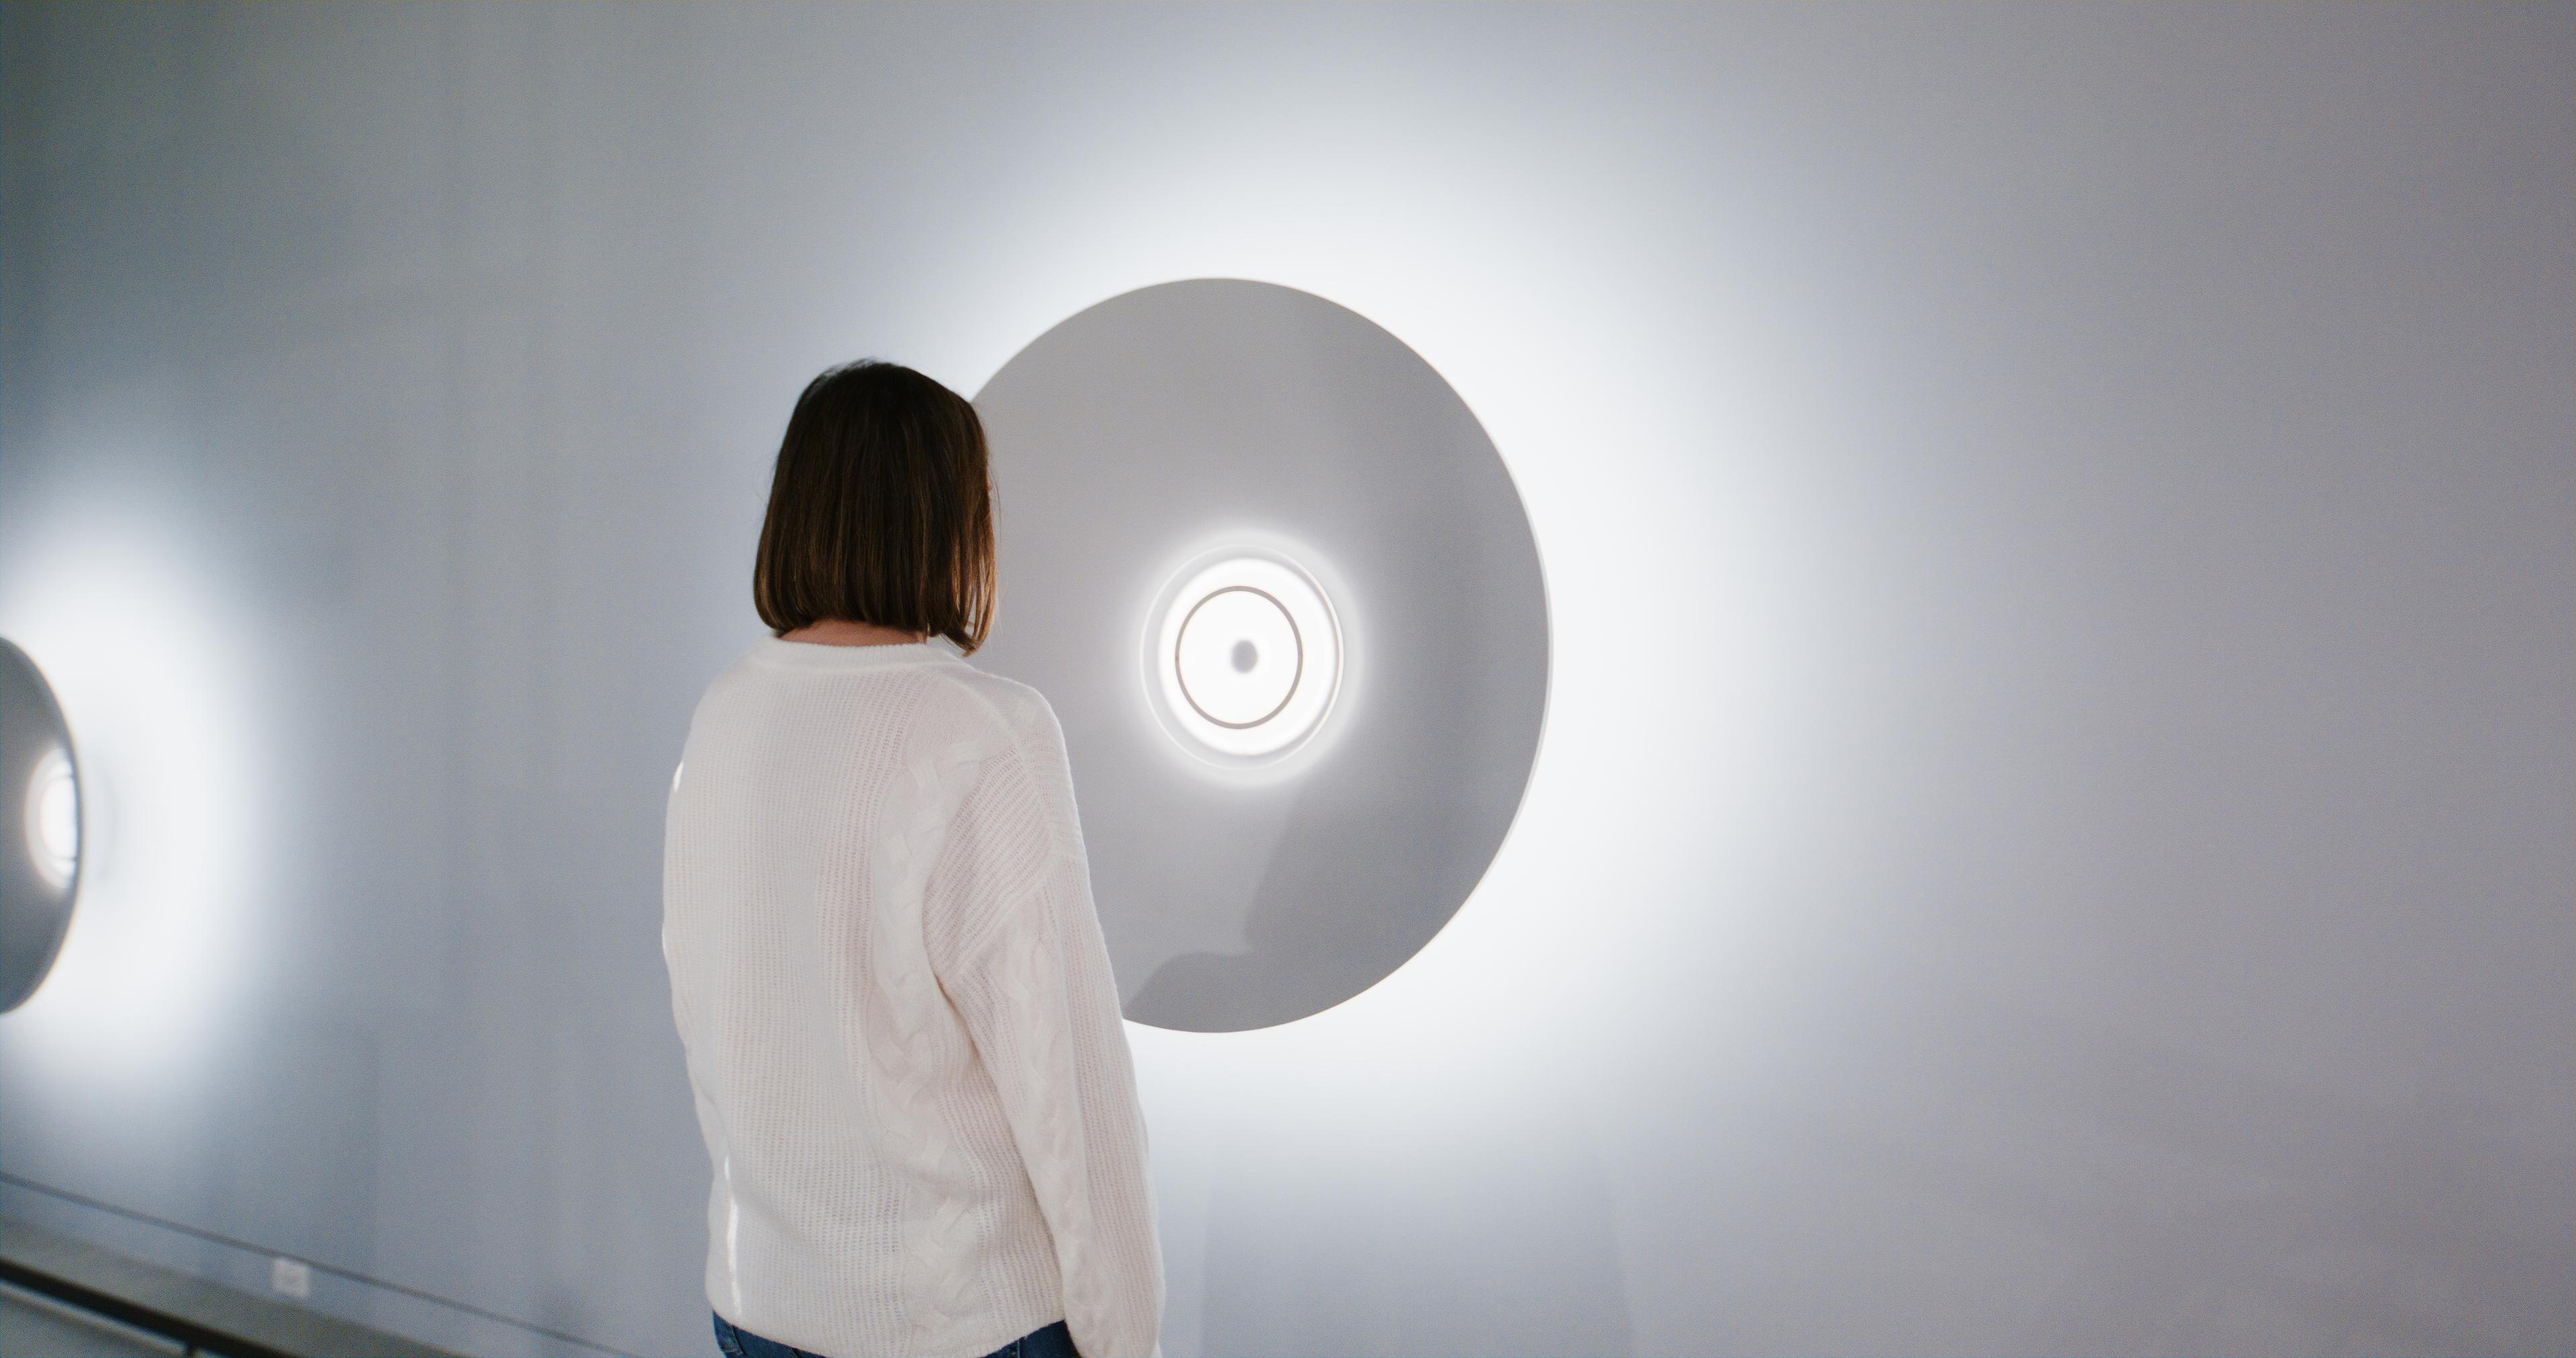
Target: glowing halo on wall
{"x":1280,"y":589}
{"x":151,"y":655}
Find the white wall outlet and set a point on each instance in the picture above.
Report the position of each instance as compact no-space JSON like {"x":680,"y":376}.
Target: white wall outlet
{"x":292,"y":1277}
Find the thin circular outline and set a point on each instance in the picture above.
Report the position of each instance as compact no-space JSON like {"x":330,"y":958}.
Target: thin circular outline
{"x":1295,"y":677}
{"x":1166,"y":710}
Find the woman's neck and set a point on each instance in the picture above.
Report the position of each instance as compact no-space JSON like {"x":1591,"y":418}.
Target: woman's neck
{"x":843,"y":632}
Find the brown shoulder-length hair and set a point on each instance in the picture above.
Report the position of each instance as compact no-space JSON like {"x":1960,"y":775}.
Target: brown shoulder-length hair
{"x":881,"y":509}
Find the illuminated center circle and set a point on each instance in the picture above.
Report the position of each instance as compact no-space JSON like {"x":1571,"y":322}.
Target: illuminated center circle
{"x":1239,"y":657}
{"x":53,"y":818}
{"x":1246,"y":657}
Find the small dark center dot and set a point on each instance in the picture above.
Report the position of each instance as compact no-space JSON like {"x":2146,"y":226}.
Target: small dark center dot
{"x":1245,"y":657}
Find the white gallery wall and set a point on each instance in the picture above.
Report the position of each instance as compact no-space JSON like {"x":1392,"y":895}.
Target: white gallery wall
{"x":2053,"y":825}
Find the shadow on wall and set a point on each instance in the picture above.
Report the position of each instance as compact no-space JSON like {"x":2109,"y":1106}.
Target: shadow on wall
{"x":1510,"y":1250}
{"x":1375,"y":844}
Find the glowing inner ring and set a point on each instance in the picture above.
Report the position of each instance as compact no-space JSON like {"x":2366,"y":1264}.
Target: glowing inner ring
{"x":1294,"y":676}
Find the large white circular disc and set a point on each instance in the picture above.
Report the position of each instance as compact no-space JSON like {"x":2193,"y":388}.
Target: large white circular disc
{"x":1280,"y":590}
{"x":39,"y":827}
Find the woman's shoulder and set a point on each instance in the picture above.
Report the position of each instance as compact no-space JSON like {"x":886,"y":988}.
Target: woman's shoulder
{"x":981,"y":701}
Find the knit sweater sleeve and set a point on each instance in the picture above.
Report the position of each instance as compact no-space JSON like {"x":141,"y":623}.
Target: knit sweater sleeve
{"x":1016,"y":944}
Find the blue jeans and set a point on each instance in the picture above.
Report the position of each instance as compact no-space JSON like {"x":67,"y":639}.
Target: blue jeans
{"x":1047,"y":1341}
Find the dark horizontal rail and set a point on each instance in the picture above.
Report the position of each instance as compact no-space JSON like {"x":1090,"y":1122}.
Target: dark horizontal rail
{"x":448,"y":1303}
{"x":188,"y":1332}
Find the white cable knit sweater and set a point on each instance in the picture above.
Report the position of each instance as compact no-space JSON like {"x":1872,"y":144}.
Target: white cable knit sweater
{"x":898,"y":1013}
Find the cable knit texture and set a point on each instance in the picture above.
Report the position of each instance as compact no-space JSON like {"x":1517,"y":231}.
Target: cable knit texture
{"x":898,"y":1014}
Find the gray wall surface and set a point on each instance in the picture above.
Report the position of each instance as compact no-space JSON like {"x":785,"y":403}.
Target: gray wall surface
{"x":2052,"y":830}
